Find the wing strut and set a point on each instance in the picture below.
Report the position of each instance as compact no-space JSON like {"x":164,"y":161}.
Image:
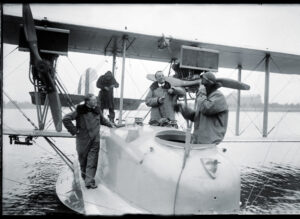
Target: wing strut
{"x":238,"y":105}
{"x":266,"y":98}
{"x":114,"y":57}
{"x":125,"y":37}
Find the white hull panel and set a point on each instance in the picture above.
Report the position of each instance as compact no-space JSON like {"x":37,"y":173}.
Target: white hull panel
{"x":138,"y":173}
{"x":145,"y":172}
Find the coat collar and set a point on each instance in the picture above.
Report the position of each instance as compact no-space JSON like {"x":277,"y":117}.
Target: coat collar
{"x":154,"y":85}
{"x":83,"y":109}
{"x":212,"y":89}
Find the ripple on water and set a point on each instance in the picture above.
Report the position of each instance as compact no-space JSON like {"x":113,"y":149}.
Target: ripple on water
{"x":271,"y":190}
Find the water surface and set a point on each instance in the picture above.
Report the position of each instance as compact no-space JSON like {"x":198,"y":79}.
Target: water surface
{"x":270,"y":172}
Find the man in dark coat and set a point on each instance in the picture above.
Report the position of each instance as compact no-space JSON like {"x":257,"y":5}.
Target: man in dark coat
{"x":106,"y":83}
{"x":211,"y":115}
{"x":161,"y":98}
{"x":87,"y":130}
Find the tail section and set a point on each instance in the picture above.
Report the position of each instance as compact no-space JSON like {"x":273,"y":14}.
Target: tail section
{"x":86,"y":85}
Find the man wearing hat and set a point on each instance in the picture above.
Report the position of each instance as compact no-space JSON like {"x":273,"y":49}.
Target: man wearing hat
{"x":106,"y":83}
{"x":210,"y":116}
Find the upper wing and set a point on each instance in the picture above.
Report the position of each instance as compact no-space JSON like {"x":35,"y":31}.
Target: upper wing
{"x":140,"y":46}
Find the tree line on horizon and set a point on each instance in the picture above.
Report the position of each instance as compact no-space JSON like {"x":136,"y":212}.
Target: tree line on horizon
{"x":247,"y":102}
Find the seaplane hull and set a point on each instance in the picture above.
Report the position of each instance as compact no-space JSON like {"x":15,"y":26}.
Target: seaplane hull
{"x":140,"y":171}
{"x":69,"y":192}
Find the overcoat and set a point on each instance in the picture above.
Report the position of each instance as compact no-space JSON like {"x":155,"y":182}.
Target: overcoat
{"x":165,"y":109}
{"x":210,"y":118}
{"x":87,"y":125}
{"x":107,"y":97}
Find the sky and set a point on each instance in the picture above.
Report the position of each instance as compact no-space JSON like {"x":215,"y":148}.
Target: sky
{"x":268,"y":27}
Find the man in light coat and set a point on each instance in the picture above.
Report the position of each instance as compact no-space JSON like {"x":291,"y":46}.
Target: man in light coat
{"x":87,"y":130}
{"x":211,"y":114}
{"x":161,"y":98}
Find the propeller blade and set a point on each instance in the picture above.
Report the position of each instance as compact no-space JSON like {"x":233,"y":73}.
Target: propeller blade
{"x":42,"y":67}
{"x":175,"y":81}
{"x":30,"y":33}
{"x":55,"y":107}
{"x":226,"y":82}
{"x":230,"y":83}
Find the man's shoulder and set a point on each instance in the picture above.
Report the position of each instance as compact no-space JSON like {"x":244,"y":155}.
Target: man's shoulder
{"x":101,"y":77}
{"x":81,"y":108}
{"x":154,"y":85}
{"x":97,"y":110}
{"x":217,"y":93}
{"x":219,"y":97}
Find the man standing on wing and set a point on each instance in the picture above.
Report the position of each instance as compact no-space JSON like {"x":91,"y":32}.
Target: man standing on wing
{"x":87,"y":130}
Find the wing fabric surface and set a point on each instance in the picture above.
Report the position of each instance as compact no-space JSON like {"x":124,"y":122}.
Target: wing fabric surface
{"x":94,"y":40}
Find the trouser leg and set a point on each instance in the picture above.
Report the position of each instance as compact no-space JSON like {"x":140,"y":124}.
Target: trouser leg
{"x":99,"y":101}
{"x":111,"y":114}
{"x":92,"y":162}
{"x":82,"y":157}
{"x":101,"y":109}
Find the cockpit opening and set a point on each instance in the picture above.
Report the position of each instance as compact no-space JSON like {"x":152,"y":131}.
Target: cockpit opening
{"x":176,"y":139}
{"x":173,"y":136}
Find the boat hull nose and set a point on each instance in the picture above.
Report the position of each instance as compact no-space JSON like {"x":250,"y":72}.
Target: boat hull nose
{"x":69,"y":192}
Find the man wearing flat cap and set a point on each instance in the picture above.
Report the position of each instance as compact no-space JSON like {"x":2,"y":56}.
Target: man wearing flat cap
{"x":210,"y":116}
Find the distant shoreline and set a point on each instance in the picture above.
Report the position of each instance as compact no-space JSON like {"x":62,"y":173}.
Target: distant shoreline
{"x":11,"y":107}
{"x":247,"y":106}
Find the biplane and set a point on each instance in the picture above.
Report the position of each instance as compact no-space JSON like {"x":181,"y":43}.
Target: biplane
{"x":132,"y":170}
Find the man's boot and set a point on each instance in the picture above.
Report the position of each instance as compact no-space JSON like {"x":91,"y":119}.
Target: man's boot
{"x":111,"y":120}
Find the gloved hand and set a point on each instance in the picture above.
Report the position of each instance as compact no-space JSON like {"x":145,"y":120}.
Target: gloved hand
{"x":202,"y":90}
{"x":178,"y":107}
{"x":74,"y":131}
{"x":187,"y":112}
{"x":171,"y":91}
{"x":161,"y":99}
